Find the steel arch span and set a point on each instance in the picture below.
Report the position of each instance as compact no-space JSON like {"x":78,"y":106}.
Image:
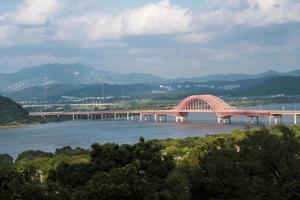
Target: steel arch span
{"x":208,"y":103}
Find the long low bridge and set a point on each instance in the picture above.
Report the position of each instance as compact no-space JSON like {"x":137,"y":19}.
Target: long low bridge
{"x":191,"y":104}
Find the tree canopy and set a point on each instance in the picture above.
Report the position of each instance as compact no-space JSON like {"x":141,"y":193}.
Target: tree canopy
{"x":10,"y":111}
{"x":261,"y":163}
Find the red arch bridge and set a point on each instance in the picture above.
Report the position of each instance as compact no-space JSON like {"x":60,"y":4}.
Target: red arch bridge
{"x":191,"y":104}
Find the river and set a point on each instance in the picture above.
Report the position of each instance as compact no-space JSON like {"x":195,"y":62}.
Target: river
{"x":83,"y":133}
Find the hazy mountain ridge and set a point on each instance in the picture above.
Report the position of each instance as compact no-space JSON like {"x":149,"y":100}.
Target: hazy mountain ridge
{"x":76,"y":74}
{"x":57,"y":91}
{"x":230,"y":77}
{"x":287,"y":85}
{"x":270,"y":85}
{"x":68,"y":74}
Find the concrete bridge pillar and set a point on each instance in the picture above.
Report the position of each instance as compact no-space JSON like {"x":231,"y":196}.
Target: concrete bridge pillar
{"x":224,"y":120}
{"x":141,"y":117}
{"x":270,"y":119}
{"x":181,"y":119}
{"x":155,"y":118}
{"x":160,"y":118}
{"x":73,"y":116}
{"x":277,"y":119}
{"x":295,"y":119}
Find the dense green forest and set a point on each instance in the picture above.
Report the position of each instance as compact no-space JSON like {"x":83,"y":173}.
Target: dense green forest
{"x":261,"y":163}
{"x":11,"y":111}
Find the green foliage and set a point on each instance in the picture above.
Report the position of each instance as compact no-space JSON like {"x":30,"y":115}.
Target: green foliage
{"x":21,"y":185}
{"x":11,"y":111}
{"x":6,"y":162}
{"x":188,"y":150}
{"x":264,"y":165}
{"x":138,"y":171}
{"x":261,"y":163}
{"x":47,"y":161}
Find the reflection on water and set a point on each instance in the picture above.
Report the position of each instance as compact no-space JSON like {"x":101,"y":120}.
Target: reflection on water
{"x":48,"y":137}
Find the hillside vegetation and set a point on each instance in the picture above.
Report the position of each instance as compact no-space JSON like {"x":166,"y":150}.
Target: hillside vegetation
{"x":261,"y":163}
{"x":10,"y":111}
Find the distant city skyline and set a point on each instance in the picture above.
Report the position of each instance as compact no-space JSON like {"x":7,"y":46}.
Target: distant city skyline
{"x":168,"y":38}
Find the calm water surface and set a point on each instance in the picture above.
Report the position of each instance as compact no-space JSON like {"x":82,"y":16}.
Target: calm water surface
{"x":49,"y":137}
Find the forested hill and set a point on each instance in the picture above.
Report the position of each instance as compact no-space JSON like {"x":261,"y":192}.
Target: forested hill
{"x":287,"y":85}
{"x":10,"y":111}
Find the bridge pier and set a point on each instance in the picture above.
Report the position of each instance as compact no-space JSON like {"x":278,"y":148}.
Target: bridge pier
{"x":295,"y":119}
{"x":162,"y":118}
{"x":277,"y":119}
{"x":224,"y":120}
{"x":181,"y":119}
{"x":144,"y":117}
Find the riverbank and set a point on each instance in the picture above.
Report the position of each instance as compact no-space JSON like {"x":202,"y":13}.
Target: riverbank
{"x":29,"y":122}
{"x":13,"y":125}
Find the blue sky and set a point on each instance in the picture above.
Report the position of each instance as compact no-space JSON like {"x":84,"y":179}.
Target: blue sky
{"x":169,"y":38}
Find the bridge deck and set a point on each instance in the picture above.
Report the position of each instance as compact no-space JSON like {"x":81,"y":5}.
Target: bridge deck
{"x":233,"y":112}
{"x":192,"y":104}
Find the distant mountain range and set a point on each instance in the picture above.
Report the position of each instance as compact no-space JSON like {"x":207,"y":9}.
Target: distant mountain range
{"x":235,"y":77}
{"x":270,"y":85}
{"x":78,"y":74}
{"x":68,"y":74}
{"x":58,"y":91}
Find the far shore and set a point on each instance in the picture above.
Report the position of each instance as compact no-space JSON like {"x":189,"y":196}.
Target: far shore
{"x":12,"y":126}
{"x":17,"y":125}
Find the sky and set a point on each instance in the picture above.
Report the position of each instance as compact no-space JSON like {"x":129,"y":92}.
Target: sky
{"x":168,"y":38}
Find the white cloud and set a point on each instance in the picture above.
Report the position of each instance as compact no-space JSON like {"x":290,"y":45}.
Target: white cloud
{"x":156,"y":18}
{"x":250,"y":12}
{"x":224,"y":16}
{"x":271,"y":12}
{"x":41,"y":21}
{"x":159,"y":18}
{"x":34,"y":12}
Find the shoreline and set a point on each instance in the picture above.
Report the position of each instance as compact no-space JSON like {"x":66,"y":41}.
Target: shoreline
{"x":12,"y":126}
{"x":18,"y":125}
